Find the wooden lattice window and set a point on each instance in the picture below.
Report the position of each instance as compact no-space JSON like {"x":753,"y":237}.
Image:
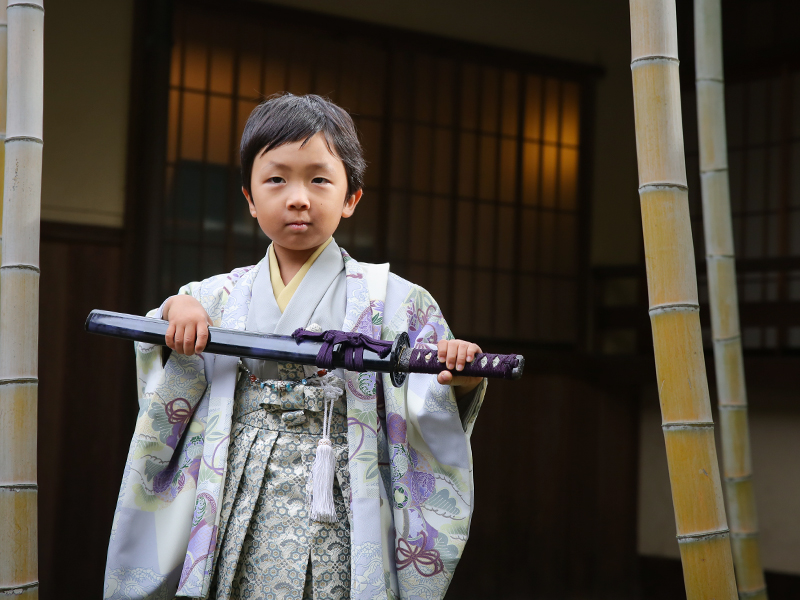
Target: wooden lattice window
{"x":763,"y":126}
{"x":472,"y":188}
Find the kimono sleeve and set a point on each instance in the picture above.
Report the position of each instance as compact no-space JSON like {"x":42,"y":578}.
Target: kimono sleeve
{"x":158,"y":500}
{"x":431,"y":483}
{"x":212,"y":294}
{"x":148,"y":356}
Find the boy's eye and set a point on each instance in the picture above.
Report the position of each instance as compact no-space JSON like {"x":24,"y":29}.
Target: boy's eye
{"x":319,"y":180}
{"x":275,"y":179}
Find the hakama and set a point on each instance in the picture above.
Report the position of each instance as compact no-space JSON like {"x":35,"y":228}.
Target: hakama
{"x":270,"y":548}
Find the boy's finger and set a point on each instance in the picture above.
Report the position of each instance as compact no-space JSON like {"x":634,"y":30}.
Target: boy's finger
{"x":169,"y":338}
{"x":461,"y":356}
{"x":202,"y":338}
{"x":472,"y":350}
{"x":445,"y":378}
{"x":189,"y":337}
{"x":463,"y":380}
{"x":452,"y":353}
{"x":442,"y":353}
{"x":178,"y":339}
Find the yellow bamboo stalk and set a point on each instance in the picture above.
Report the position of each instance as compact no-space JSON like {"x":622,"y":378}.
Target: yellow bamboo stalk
{"x":19,"y":302}
{"x":728,"y":361}
{"x":702,"y":530}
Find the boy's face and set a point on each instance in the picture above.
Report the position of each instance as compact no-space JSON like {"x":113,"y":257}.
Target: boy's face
{"x":300,"y":194}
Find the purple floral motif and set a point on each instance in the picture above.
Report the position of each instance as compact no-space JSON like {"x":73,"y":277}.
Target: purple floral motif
{"x":194,"y":468}
{"x":178,"y":412}
{"x":396,"y":426}
{"x":419,"y":554}
{"x":424,"y":534}
{"x":422,"y":486}
{"x":203,"y":539}
{"x":429,"y":334}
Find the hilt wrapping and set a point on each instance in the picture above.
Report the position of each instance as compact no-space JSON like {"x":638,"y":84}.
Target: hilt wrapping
{"x":485,"y":364}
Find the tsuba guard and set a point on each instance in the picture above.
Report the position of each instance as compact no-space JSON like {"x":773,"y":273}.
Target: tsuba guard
{"x":400,"y":354}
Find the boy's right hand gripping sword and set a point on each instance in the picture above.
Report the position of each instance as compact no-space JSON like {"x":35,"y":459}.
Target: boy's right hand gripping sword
{"x":327,"y":349}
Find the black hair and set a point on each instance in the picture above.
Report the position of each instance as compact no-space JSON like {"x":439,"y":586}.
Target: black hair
{"x":286,"y":118}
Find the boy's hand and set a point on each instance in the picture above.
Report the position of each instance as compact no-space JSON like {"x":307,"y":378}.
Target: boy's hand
{"x":456,"y":354}
{"x":188,"y":325}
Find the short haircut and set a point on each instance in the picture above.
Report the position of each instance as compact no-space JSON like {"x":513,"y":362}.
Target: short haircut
{"x":286,"y":118}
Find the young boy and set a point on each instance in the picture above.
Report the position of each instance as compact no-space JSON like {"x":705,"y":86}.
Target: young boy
{"x":219,"y":497}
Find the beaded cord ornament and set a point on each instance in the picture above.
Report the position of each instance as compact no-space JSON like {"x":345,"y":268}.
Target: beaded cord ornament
{"x":281,"y":385}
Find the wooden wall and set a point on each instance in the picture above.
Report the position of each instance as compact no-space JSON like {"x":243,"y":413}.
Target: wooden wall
{"x":555,"y":510}
{"x":87,"y":408}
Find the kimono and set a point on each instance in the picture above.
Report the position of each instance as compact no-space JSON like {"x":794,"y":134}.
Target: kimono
{"x":410,"y":489}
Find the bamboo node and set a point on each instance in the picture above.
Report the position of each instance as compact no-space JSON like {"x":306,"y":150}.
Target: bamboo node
{"x":13,"y":4}
{"x":711,"y":79}
{"x":660,"y":186}
{"x":731,"y":406}
{"x":718,"y":170}
{"x":19,"y":487}
{"x":654,"y":58}
{"x":657,"y":309}
{"x":18,"y":589}
{"x":22,"y":267}
{"x":24,"y":138}
{"x":687,"y":425}
{"x":739,"y":478}
{"x":752,"y":593}
{"x":744,"y":534}
{"x":688,"y":538}
{"x":732,"y":338}
{"x":10,"y":380}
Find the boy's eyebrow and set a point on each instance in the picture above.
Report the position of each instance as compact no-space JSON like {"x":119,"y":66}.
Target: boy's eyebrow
{"x":323,"y":166}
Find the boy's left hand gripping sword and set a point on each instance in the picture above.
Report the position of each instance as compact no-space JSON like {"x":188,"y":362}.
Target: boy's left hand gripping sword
{"x":328,"y":349}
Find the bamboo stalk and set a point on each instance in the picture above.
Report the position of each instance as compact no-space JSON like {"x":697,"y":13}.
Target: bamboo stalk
{"x":19,"y":302}
{"x":702,"y":530}
{"x":728,"y":360}
{"x":3,"y":94}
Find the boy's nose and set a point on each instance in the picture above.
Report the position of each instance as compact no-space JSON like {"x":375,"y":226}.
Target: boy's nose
{"x":298,"y":198}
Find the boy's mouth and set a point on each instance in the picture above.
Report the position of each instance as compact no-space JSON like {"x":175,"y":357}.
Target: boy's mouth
{"x":298,"y":225}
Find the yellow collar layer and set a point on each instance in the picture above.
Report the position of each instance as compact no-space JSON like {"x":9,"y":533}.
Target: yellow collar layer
{"x":284,"y":292}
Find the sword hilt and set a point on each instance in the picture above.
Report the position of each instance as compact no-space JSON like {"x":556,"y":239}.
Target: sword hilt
{"x":485,"y":364}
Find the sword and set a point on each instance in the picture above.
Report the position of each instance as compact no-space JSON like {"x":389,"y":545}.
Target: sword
{"x":330,"y":349}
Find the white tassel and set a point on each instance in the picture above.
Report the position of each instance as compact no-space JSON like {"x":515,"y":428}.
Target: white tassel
{"x":322,"y":507}
{"x":323,"y":469}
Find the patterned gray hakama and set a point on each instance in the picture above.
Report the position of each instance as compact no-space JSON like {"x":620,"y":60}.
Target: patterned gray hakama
{"x":270,"y":548}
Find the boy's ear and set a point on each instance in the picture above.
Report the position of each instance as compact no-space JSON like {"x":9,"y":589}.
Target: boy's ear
{"x":249,"y":202}
{"x":350,"y":204}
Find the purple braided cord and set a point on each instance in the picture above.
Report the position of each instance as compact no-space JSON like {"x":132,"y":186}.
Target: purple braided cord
{"x":484,"y":364}
{"x":352,"y":343}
